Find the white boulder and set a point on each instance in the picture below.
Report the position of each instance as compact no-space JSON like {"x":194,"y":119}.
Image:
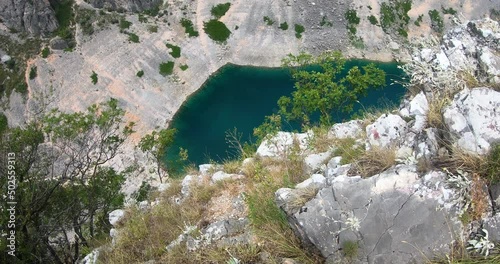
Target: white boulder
{"x":387,"y":130}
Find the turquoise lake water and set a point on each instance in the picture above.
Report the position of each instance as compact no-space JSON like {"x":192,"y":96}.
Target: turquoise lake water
{"x":240,"y":97}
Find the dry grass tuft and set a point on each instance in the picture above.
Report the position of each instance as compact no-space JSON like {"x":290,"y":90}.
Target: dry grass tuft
{"x":231,"y":166}
{"x":321,"y":141}
{"x":374,"y":161}
{"x":435,"y":114}
{"x":348,"y":149}
{"x":479,"y":197}
{"x":301,"y":197}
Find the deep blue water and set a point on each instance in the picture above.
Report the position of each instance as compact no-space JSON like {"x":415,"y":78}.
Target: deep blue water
{"x":241,"y":96}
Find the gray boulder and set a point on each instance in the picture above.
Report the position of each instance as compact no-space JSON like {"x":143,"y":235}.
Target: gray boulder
{"x":34,"y":17}
{"x":395,"y":217}
{"x":388,"y":130}
{"x":115,"y":216}
{"x":58,"y":43}
{"x":473,"y":119}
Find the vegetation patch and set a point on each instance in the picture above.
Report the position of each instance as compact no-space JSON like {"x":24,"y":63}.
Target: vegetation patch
{"x":374,"y":161}
{"x":448,"y":11}
{"x":124,"y":24}
{"x":299,"y":29}
{"x":325,"y":22}
{"x":94,"y":78}
{"x":268,"y":21}
{"x":437,"y":23}
{"x":350,"y":249}
{"x":167,"y":68}
{"x":45,"y":52}
{"x":394,"y":16}
{"x":283,"y":26}
{"x":4,"y":123}
{"x":140,"y":73}
{"x":64,"y":15}
{"x":33,"y":72}
{"x":189,"y":28}
{"x":216,"y":30}
{"x":352,"y":20}
{"x":153,"y":29}
{"x":184,"y":67}
{"x":419,"y":20}
{"x":175,"y":50}
{"x":220,"y":10}
{"x":373,"y":20}
{"x":133,"y":38}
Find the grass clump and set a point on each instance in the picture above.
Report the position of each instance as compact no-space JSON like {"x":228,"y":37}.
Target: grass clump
{"x":299,"y":29}
{"x":189,"y":28}
{"x":350,"y":249}
{"x":374,"y":161}
{"x":140,"y":73}
{"x":220,"y":10}
{"x":184,"y":67}
{"x":437,"y":23}
{"x":94,"y":78}
{"x":45,"y":52}
{"x":153,"y":29}
{"x":492,"y":169}
{"x":348,"y":149}
{"x":283,"y":26}
{"x":268,"y":21}
{"x":4,"y":123}
{"x":133,"y":38}
{"x":166,"y":68}
{"x":216,"y":30}
{"x":33,"y":72}
{"x":176,"y":50}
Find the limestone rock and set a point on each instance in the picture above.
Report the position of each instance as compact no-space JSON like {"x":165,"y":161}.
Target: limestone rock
{"x":58,"y":43}
{"x":315,"y":162}
{"x":115,"y":216}
{"x":388,"y":130}
{"x":6,"y":58}
{"x":316,"y":180}
{"x":495,"y":196}
{"x":489,"y":64}
{"x":351,"y":129}
{"x":379,"y":213}
{"x":473,"y":119}
{"x":34,"y":17}
{"x":492,"y":224}
{"x":282,"y":143}
{"x":204,"y":168}
{"x":221,"y":176}
{"x":91,"y":258}
{"x":128,"y":5}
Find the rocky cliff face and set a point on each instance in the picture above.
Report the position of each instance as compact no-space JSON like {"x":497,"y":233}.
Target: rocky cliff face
{"x":35,"y":17}
{"x":128,"y":5}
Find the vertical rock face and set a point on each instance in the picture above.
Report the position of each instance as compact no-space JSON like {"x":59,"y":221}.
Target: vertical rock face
{"x":128,"y":5}
{"x":36,"y":17}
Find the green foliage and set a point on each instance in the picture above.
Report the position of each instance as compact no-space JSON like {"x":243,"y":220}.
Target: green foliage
{"x":140,"y":73}
{"x":4,"y":123}
{"x":156,"y":144}
{"x":271,"y":125}
{"x":167,"y":68}
{"x":394,"y":16}
{"x":220,"y":10}
{"x":189,"y":28}
{"x":143,"y":193}
{"x":348,"y":150}
{"x":45,"y":52}
{"x":325,"y":22}
{"x":153,"y":29}
{"x":493,"y":165}
{"x":184,"y":67}
{"x":124,"y":24}
{"x":320,"y":92}
{"x":64,"y":185}
{"x":133,"y":38}
{"x":33,"y":72}
{"x":64,"y":15}
{"x":419,"y":20}
{"x":437,"y":23}
{"x":176,"y":51}
{"x":268,"y":21}
{"x":216,"y":30}
{"x":142,"y":18}
{"x":94,"y":78}
{"x":283,"y":26}
{"x":299,"y":29}
{"x":448,"y":11}
{"x":352,"y":17}
{"x":373,"y":20}
{"x":350,"y":249}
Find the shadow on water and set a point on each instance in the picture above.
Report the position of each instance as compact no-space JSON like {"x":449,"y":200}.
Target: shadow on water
{"x":240,"y":97}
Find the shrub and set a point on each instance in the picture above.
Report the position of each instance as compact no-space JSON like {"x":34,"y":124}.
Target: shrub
{"x":133,"y":38}
{"x":4,"y":124}
{"x":166,"y":68}
{"x":437,"y":23}
{"x":448,"y":11}
{"x":352,"y":17}
{"x":283,"y":26}
{"x":373,"y":20}
{"x":268,"y":21}
{"x":33,"y":72}
{"x":188,"y":28}
{"x":184,"y":67}
{"x":493,"y":164}
{"x":143,"y":193}
{"x":394,"y":16}
{"x":419,"y":20}
{"x":176,"y":51}
{"x":124,"y":24}
{"x":45,"y":52}
{"x":216,"y":30}
{"x":299,"y":29}
{"x":220,"y":10}
{"x":140,"y":73}
{"x":94,"y":77}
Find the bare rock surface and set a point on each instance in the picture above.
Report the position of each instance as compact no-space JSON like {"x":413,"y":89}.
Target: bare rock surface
{"x":128,"y":5}
{"x":36,"y":17}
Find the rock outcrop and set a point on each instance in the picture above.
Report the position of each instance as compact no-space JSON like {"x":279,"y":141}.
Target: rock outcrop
{"x":128,"y":5}
{"x":34,"y":17}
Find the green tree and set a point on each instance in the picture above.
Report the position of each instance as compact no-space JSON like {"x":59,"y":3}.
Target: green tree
{"x":156,"y":145}
{"x":64,"y":190}
{"x":322,"y":91}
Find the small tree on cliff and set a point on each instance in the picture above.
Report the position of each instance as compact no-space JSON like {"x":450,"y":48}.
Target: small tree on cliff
{"x":155,"y":145}
{"x":324,"y":90}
